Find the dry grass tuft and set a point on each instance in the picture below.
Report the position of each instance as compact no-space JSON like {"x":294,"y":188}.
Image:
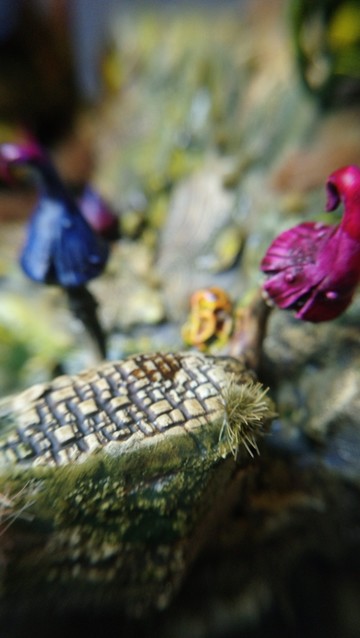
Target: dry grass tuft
{"x":247,"y":410}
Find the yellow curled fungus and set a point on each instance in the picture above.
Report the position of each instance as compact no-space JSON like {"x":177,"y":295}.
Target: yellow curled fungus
{"x":210,"y":321}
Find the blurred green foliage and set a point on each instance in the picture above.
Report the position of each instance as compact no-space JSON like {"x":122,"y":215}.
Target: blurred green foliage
{"x":327,"y":44}
{"x":30,"y":345}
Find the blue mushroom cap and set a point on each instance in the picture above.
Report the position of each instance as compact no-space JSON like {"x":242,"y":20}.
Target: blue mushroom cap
{"x":60,"y":247}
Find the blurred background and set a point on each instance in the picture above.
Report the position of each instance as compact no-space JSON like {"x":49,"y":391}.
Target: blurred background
{"x":199,"y":124}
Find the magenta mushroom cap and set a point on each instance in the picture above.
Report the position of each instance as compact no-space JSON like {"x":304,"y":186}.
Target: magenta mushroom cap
{"x":314,"y":268}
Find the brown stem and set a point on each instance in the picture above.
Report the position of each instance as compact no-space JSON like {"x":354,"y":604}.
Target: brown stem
{"x":250,"y":330}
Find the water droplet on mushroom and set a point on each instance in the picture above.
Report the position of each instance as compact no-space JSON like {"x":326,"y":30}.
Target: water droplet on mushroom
{"x":289,"y":277}
{"x":320,"y":230}
{"x":331,"y":294}
{"x":67,"y":223}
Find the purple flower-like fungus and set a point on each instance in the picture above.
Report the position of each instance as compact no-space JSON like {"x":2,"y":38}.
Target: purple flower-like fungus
{"x":314,"y":268}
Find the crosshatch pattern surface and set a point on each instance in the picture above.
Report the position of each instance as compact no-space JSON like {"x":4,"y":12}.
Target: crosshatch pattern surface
{"x":144,"y":395}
